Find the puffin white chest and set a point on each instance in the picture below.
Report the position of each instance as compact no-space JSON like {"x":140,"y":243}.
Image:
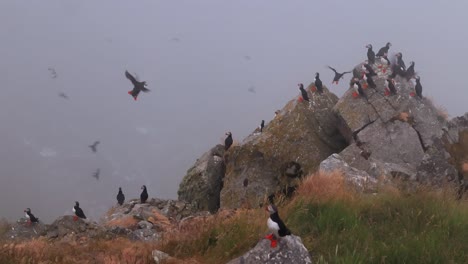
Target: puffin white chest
{"x":27,"y":216}
{"x":74,"y":211}
{"x":272,"y":225}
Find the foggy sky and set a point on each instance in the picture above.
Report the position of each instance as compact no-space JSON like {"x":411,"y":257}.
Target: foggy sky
{"x":193,"y":56}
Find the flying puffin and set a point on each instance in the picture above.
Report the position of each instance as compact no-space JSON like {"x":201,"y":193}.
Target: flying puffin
{"x":137,"y":86}
{"x":276,"y":225}
{"x":384,"y":50}
{"x":410,"y":71}
{"x":31,"y":218}
{"x":391,"y":86}
{"x":369,"y":80}
{"x":400,"y":61}
{"x":144,"y":194}
{"x":63,"y":95}
{"x":96,"y":174}
{"x":78,"y":212}
{"x":94,"y":146}
{"x":370,"y":54}
{"x":262,"y":125}
{"x":338,"y":75}
{"x":228,"y":141}
{"x":120,"y":197}
{"x":303,"y":92}
{"x":418,"y":87}
{"x":318,"y":83}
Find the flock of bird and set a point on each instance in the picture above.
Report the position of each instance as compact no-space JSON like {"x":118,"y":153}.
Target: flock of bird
{"x":358,"y":82}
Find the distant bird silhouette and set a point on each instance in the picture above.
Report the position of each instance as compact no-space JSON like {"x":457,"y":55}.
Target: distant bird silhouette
{"x":228,"y":141}
{"x":318,"y":83}
{"x":247,"y":57}
{"x":418,"y":87}
{"x":31,"y":218}
{"x":251,"y":89}
{"x":63,"y":95}
{"x":137,"y":86}
{"x":78,"y":212}
{"x":144,"y":194}
{"x":53,"y":73}
{"x":304,"y":94}
{"x":96,"y":174}
{"x":384,"y":50}
{"x":338,"y":75}
{"x":262,"y":125}
{"x":94,"y":146}
{"x":410,"y":71}
{"x":370,"y":54}
{"x":120,"y":197}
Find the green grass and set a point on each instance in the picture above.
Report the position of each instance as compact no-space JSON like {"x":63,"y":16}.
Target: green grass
{"x":339,"y":226}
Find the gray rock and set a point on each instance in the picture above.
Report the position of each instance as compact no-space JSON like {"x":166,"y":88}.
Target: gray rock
{"x":289,"y":250}
{"x":159,"y":256}
{"x":358,"y":178}
{"x":145,"y":235}
{"x":203,"y":182}
{"x":292,"y":145}
{"x":145,"y":225}
{"x":22,"y":230}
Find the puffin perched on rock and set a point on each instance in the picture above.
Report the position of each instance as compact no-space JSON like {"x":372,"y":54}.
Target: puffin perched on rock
{"x":318,"y":83}
{"x":410,"y":71}
{"x":357,"y":86}
{"x":144,"y":194}
{"x":137,"y":86}
{"x":262,"y":125}
{"x":418,"y":87}
{"x":400,"y":61}
{"x":78,"y":212}
{"x":368,"y":78}
{"x":31,"y":218}
{"x":338,"y":75}
{"x":228,"y":141}
{"x":303,"y":92}
{"x":276,"y":225}
{"x":384,"y":50}
{"x":390,"y":84}
{"x":370,"y":54}
{"x":120,"y":197}
{"x":368,"y":68}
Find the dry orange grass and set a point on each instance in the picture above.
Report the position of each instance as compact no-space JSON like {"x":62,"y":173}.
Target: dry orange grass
{"x":325,"y":187}
{"x":404,"y":116}
{"x":441,"y":111}
{"x":120,"y":250}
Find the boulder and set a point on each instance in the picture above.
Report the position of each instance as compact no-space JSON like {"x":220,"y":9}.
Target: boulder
{"x":289,"y":250}
{"x":202,"y":184}
{"x":292,"y":145}
{"x":22,"y":230}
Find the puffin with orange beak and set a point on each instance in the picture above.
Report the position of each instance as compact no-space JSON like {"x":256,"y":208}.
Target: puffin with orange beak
{"x":276,"y":225}
{"x":31,"y":218}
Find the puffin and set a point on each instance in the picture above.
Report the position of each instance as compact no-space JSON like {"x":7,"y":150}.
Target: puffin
{"x":369,"y":80}
{"x":120,"y":197}
{"x":137,"y":86}
{"x":384,"y":59}
{"x":338,"y":75}
{"x":94,"y":146}
{"x":262,"y":125}
{"x":410,"y":71}
{"x":397,"y":70}
{"x":228,"y":141}
{"x":369,"y":69}
{"x":63,"y":95}
{"x":31,"y":218}
{"x":384,"y":50}
{"x":370,"y":54}
{"x":357,"y":86}
{"x":53,"y":73}
{"x":400,"y":61}
{"x":390,"y":85}
{"x":318,"y":83}
{"x":78,"y":212}
{"x":418,"y":87}
{"x":303,"y":92}
{"x":144,"y":194}
{"x":276,"y":225}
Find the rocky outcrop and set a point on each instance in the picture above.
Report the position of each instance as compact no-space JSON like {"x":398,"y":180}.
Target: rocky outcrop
{"x":389,"y":135}
{"x":291,"y":145}
{"x":289,"y":250}
{"x":23,"y":230}
{"x":202,"y":185}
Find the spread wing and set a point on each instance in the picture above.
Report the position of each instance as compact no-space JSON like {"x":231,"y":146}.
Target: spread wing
{"x":331,"y":69}
{"x":131,"y":78}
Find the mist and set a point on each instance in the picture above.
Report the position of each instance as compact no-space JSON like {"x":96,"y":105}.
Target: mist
{"x":199,"y":58}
